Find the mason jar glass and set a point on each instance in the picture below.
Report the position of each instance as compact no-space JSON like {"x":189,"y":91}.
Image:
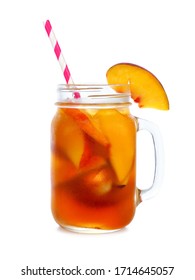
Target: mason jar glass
{"x":93,"y":158}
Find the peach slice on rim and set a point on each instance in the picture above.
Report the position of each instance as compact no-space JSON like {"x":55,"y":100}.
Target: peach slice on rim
{"x":145,"y":88}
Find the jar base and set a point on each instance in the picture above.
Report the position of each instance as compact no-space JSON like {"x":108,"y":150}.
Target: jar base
{"x":86,"y":230}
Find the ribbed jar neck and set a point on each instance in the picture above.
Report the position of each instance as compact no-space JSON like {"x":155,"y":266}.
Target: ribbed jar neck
{"x":93,"y":95}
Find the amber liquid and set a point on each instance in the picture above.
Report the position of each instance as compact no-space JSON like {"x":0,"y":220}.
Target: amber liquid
{"x":93,"y":168}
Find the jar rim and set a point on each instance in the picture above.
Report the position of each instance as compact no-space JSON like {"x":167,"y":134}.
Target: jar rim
{"x":94,"y":93}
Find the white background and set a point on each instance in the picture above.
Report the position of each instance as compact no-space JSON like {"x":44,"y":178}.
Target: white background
{"x":94,"y":35}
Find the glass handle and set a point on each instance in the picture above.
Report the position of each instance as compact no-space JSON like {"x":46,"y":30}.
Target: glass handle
{"x":159,"y":159}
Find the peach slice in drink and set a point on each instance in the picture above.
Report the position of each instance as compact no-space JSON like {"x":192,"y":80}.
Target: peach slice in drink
{"x":91,"y":187}
{"x":62,"y":169}
{"x":94,"y":154}
{"x":121,"y":137}
{"x":88,"y":125}
{"x":67,"y":137}
{"x":98,"y":181}
{"x":145,"y":88}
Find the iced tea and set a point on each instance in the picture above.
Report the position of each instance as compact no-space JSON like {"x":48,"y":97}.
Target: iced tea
{"x":93,"y":165}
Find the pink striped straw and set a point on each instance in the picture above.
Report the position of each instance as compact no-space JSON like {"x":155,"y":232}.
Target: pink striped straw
{"x":58,"y":52}
{"x":59,"y":56}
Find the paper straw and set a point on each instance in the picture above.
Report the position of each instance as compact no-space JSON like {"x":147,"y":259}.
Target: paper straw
{"x":58,"y":52}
